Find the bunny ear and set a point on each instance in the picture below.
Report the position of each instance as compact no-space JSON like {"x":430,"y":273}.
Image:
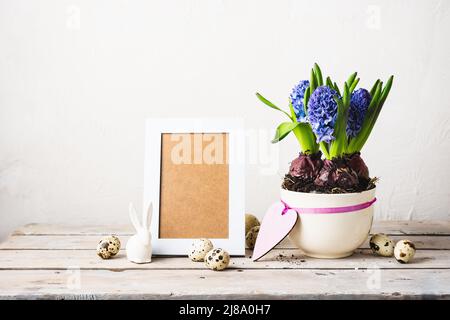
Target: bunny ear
{"x":147,"y":216}
{"x":133,"y":217}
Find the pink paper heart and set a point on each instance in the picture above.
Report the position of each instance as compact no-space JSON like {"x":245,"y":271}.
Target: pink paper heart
{"x":274,"y":228}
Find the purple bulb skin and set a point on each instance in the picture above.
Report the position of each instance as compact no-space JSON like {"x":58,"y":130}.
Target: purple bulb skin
{"x":336,"y":174}
{"x":306,"y":167}
{"x":356,"y":163}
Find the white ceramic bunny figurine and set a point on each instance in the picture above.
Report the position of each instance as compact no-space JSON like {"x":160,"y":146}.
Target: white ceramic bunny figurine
{"x":139,"y":247}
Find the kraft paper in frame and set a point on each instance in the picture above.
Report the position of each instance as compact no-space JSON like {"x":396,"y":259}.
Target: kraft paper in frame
{"x":194,"y":186}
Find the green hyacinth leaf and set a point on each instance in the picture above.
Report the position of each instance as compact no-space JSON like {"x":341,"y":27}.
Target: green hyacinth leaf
{"x":386,"y":90}
{"x":336,"y":87}
{"x":312,"y":81}
{"x":283,"y":130}
{"x":378,"y":99}
{"x":318,"y":72}
{"x":372,"y":107}
{"x":339,"y":145}
{"x":329,"y":83}
{"x":346,"y":96}
{"x":325,"y":150}
{"x":383,"y":93}
{"x":351,"y":78}
{"x":306,"y":138}
{"x":375,"y":85}
{"x":306,"y":100}
{"x":354,"y":84}
{"x":270,"y":104}
{"x":304,"y":134}
{"x":375,"y":98}
{"x":291,"y":109}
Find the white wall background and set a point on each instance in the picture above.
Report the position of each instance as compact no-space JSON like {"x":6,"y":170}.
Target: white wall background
{"x":78,"y":78}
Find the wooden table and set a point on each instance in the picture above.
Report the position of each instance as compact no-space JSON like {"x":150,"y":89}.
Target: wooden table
{"x":57,"y":262}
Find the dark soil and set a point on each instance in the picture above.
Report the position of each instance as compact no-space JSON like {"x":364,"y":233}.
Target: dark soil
{"x":299,"y":185}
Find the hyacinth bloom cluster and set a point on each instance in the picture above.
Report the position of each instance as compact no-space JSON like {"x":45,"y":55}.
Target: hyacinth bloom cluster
{"x":359,"y":103}
{"x":297,"y":97}
{"x":322,"y":113}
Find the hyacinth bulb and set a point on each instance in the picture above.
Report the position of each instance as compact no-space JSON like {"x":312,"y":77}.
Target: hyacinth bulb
{"x":322,"y":113}
{"x":336,"y":174}
{"x":297,"y":95}
{"x":306,"y":167}
{"x":358,"y":165}
{"x":359,"y":103}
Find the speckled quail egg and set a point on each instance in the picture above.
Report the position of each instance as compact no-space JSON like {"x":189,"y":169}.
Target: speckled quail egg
{"x":199,"y":248}
{"x":108,"y":246}
{"x":250,"y":222}
{"x":250,"y":238}
{"x":382,"y":245}
{"x":217,"y":259}
{"x":404,"y":251}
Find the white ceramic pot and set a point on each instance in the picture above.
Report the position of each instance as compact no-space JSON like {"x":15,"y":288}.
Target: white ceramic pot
{"x":330,"y":235}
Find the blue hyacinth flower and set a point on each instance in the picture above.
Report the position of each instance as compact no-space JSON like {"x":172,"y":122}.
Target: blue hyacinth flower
{"x":322,"y":113}
{"x":359,"y":103}
{"x":297,"y":95}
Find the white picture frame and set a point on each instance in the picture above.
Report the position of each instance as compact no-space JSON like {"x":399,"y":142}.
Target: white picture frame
{"x":155,"y":128}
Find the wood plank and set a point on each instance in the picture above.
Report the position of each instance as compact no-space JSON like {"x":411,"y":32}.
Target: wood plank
{"x":55,"y":242}
{"x":88,"y":242}
{"x":55,"y":229}
{"x":230,"y":284}
{"x":422,"y":242}
{"x":429,"y":227}
{"x":276,"y":259}
{"x":426,"y":227}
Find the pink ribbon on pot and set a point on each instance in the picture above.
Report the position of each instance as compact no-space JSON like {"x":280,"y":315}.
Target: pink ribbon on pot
{"x":351,"y":208}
